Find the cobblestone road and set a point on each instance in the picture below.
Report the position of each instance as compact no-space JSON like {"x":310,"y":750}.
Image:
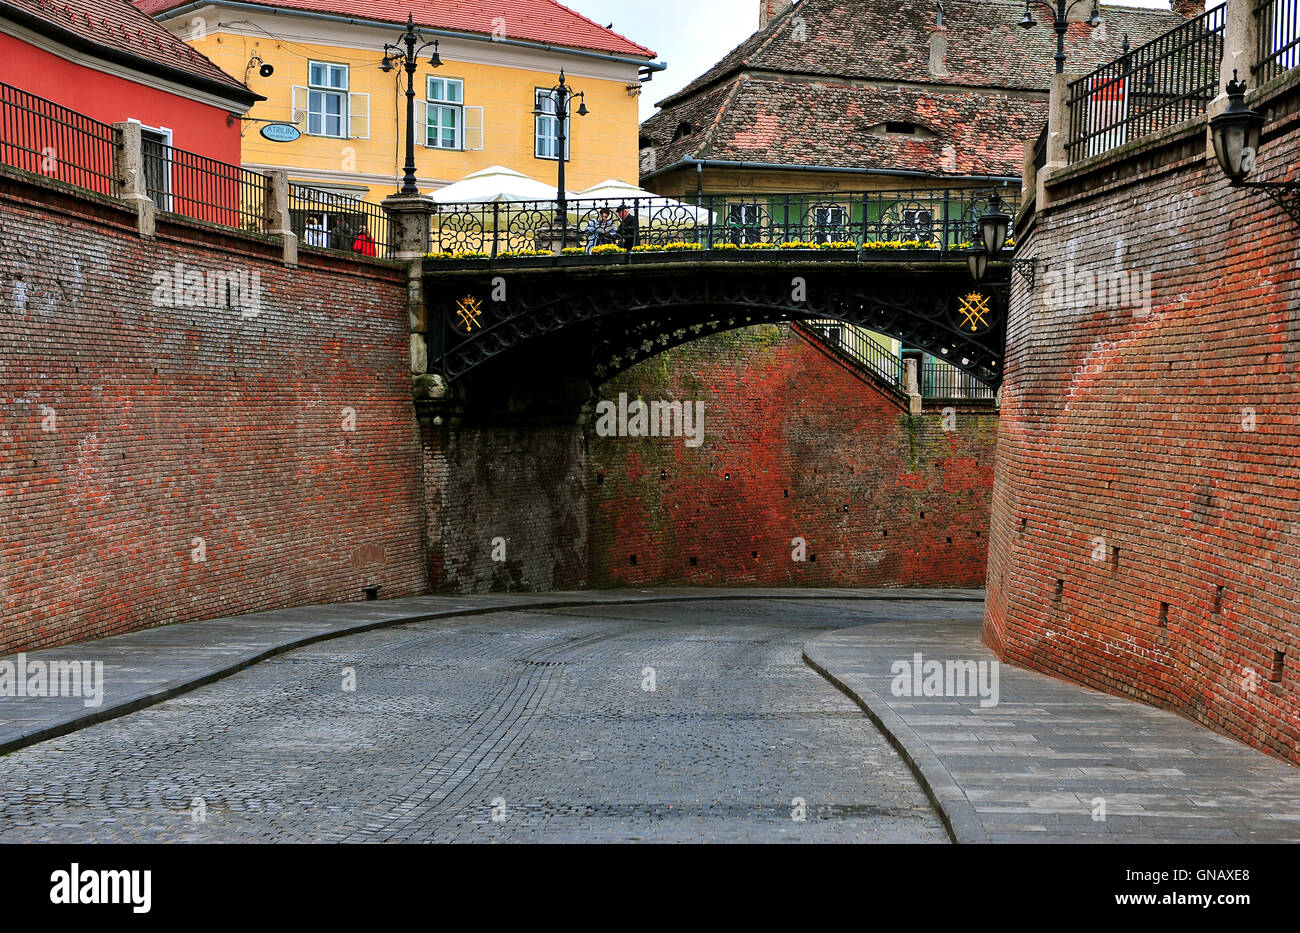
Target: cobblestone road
{"x":529,"y":726}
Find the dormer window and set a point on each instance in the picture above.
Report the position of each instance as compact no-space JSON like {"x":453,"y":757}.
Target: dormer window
{"x":901,"y":128}
{"x":683,"y":129}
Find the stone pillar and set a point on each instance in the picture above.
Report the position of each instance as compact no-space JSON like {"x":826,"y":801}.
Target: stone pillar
{"x":1058,"y":132}
{"x":128,"y":171}
{"x":276,"y":219}
{"x":1240,"y":48}
{"x":409,"y":216}
{"x":912,"y":384}
{"x":1028,"y":172}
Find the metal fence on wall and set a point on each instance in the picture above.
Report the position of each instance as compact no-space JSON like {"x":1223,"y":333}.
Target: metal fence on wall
{"x":1277,"y":24}
{"x":1160,"y":84}
{"x":203,"y":188}
{"x":39,"y":136}
{"x":328,"y":220}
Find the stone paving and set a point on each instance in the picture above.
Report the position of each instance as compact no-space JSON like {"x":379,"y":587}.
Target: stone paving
{"x":539,"y":717}
{"x":145,"y":667}
{"x":1038,"y":766}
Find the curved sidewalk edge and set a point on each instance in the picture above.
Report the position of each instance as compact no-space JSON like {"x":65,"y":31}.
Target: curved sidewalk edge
{"x":1009,"y":754}
{"x":946,"y":796}
{"x":167,"y":661}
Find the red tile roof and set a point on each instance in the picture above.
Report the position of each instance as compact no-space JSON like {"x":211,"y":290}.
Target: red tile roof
{"x":542,"y":21}
{"x":116,"y":30}
{"x":819,"y":84}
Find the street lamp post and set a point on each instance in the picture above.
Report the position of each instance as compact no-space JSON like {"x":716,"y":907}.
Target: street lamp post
{"x":561,"y":95}
{"x":1060,"y":11}
{"x":405,"y":54}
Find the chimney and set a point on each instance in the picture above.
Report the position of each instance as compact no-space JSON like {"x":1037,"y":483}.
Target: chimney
{"x":939,"y":51}
{"x":1189,"y":8}
{"x":769,"y":10}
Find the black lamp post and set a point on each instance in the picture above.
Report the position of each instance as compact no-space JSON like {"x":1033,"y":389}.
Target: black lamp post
{"x":405,"y":54}
{"x":1060,"y":10}
{"x":561,"y":95}
{"x":1236,"y":133}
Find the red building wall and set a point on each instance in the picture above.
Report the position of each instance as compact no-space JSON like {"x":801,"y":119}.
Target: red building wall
{"x":109,"y":98}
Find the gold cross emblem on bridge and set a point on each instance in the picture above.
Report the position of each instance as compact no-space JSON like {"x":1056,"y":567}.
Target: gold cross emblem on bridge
{"x":469,"y":310}
{"x":975,"y":312}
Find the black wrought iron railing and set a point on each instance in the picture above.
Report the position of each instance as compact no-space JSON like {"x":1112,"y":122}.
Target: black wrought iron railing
{"x":1160,"y":84}
{"x":203,"y":188}
{"x":942,"y":381}
{"x":934,"y":218}
{"x":327,"y":220}
{"x":866,"y":350}
{"x":40,"y":136}
{"x":1277,"y":24}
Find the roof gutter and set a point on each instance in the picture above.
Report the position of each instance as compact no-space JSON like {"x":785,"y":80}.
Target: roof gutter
{"x":643,"y":63}
{"x":701,"y":164}
{"x":232,"y":92}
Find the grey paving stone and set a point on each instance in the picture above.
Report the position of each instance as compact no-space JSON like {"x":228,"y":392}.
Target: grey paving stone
{"x":1050,"y":748}
{"x":543,"y":710}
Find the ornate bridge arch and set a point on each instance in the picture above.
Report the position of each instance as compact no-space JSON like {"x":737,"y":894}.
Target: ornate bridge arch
{"x":619,"y":315}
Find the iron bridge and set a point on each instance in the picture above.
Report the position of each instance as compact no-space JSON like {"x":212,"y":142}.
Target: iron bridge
{"x":509,"y":286}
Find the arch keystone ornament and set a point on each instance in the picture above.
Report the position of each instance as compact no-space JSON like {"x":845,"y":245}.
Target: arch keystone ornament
{"x":975,"y":312}
{"x":469,"y":315}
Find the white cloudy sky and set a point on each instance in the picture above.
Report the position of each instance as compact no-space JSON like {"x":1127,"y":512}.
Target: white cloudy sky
{"x":690,"y":35}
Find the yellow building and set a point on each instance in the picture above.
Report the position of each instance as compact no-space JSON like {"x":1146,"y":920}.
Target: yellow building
{"x":319,"y":63}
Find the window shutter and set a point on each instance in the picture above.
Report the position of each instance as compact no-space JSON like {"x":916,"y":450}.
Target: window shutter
{"x":474,"y":129}
{"x":299,"y":115}
{"x":421,"y":122}
{"x":359,"y":116}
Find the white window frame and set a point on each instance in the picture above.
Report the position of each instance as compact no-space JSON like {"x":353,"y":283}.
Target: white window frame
{"x":433,"y":127}
{"x":829,"y":219}
{"x":543,"y":99}
{"x":167,"y":136}
{"x":330,"y":90}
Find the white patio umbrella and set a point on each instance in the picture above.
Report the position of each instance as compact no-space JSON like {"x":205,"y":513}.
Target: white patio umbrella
{"x":649,"y":206}
{"x":496,"y":184}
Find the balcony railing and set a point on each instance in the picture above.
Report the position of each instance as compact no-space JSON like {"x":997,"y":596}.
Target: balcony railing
{"x":338,"y":222}
{"x":1278,"y":28}
{"x":39,"y":136}
{"x":1160,"y":84}
{"x":934,"y":218}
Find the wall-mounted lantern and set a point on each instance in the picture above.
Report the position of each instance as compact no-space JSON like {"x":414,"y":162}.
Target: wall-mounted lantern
{"x":1236,"y":133}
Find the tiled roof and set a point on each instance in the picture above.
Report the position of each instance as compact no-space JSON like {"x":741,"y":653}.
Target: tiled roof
{"x":961,"y":132}
{"x":807,"y":89}
{"x":542,"y":21}
{"x":890,"y":39}
{"x":116,"y":29}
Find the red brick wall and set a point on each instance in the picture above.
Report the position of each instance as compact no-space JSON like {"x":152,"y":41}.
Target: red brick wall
{"x":172,"y":424}
{"x":796,"y":445}
{"x":1128,"y":431}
